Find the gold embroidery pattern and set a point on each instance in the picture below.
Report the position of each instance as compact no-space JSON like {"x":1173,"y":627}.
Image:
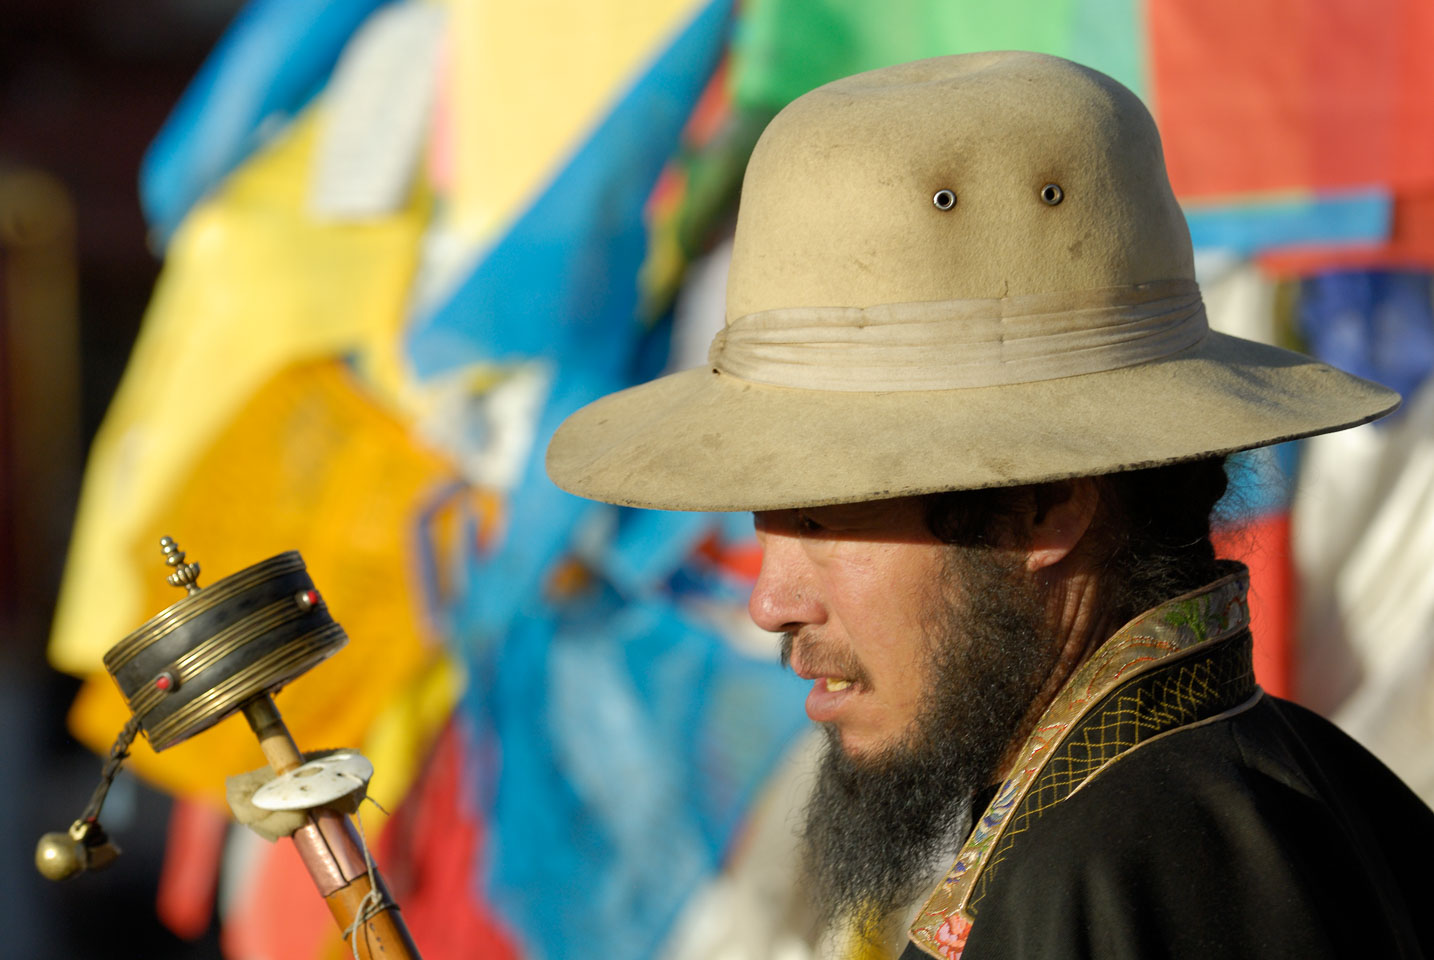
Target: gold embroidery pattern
{"x":1198,"y":620}
{"x":1193,"y":688}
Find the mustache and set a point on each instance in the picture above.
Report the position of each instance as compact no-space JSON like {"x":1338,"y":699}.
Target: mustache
{"x":822,"y":657}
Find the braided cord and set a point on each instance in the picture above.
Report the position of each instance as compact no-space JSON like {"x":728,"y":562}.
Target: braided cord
{"x":118,"y":752}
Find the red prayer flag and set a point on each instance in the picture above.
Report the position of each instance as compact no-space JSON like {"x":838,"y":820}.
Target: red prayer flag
{"x":1258,"y":96}
{"x":187,"y":881}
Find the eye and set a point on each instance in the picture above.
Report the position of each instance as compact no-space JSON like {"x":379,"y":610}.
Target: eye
{"x":806,"y":524}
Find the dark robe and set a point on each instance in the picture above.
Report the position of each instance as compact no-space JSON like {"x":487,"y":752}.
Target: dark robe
{"x":1172,"y":809}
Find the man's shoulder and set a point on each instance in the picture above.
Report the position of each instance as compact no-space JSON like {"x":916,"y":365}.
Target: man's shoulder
{"x":1266,"y":831}
{"x":1275,"y":774}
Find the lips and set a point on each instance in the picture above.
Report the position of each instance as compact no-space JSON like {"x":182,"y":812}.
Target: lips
{"x":814,"y":659}
{"x":836,"y":679}
{"x":827,"y":698}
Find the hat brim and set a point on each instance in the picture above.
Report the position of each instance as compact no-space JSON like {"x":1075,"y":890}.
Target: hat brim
{"x":703,"y":440}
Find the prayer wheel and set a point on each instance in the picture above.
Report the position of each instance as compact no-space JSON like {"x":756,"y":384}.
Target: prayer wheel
{"x":204,"y":657}
{"x":227,"y":648}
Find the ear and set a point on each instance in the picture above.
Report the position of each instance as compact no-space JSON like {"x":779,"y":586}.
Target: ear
{"x":1063,"y":513}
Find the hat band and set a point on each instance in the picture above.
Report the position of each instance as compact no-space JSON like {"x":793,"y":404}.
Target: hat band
{"x":953,"y":344}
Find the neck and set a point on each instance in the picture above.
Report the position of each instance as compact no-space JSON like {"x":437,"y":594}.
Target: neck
{"x":1078,"y":626}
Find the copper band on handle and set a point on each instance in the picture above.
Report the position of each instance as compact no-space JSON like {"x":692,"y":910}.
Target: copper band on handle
{"x":330,"y":851}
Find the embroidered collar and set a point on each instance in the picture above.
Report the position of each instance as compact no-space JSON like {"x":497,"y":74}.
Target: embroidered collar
{"x":1178,"y":663}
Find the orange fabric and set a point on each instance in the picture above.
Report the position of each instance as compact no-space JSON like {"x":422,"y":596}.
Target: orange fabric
{"x":430,"y":854}
{"x":1276,"y":95}
{"x":279,"y":915}
{"x":187,"y":880}
{"x":742,"y":559}
{"x":712,"y":110}
{"x":1263,"y":545}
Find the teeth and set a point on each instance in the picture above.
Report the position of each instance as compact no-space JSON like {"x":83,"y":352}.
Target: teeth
{"x":834,"y":685}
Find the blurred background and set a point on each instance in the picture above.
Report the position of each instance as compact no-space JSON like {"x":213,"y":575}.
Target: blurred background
{"x":290,"y":274}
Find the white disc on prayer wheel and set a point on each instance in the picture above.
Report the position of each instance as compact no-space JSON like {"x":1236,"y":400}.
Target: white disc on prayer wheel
{"x":316,"y":783}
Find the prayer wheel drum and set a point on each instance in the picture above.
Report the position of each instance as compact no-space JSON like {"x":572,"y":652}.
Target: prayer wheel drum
{"x":225,"y":649}
{"x":204,"y":657}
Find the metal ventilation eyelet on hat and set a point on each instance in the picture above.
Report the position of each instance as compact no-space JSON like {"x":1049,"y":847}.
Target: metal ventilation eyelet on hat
{"x":944,"y":199}
{"x":1052,"y":194}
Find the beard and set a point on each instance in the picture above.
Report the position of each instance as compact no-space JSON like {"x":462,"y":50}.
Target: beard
{"x":878,"y":826}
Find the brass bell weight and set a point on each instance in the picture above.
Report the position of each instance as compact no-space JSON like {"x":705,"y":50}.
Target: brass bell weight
{"x":85,"y":847}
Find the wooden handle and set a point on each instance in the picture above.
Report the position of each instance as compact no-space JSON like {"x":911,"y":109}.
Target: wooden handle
{"x":384,"y":935}
{"x":279,"y":747}
{"x":332,"y":853}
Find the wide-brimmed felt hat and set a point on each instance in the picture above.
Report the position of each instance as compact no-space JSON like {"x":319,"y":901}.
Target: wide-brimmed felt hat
{"x":951,"y":274}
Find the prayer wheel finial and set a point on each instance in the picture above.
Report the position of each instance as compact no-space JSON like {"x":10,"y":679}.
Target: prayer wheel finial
{"x":185,"y":575}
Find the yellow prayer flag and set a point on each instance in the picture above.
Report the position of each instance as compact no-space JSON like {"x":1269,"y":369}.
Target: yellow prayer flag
{"x":252,"y":283}
{"x":531,"y":80}
{"x":309,"y":463}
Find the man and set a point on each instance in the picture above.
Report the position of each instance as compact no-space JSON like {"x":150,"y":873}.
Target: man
{"x":967,"y":389}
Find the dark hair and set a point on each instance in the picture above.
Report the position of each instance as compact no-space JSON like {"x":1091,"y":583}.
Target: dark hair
{"x":1152,"y":527}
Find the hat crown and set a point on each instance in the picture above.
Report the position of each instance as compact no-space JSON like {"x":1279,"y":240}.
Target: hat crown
{"x":843,"y":202}
{"x":885,"y":338}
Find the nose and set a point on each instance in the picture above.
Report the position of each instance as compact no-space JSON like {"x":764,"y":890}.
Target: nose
{"x":785,"y":597}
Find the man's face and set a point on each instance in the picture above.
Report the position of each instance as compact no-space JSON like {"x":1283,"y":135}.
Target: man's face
{"x":926,"y":658}
{"x":850,"y":585}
